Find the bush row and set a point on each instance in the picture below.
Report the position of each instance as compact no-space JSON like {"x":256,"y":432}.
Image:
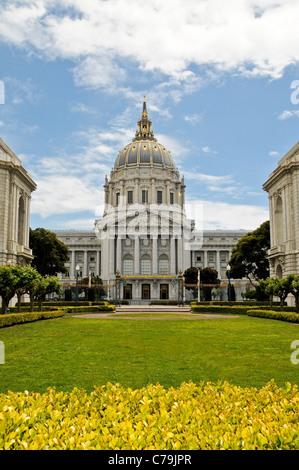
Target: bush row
{"x":17,"y":318}
{"x":63,"y":303}
{"x":190,"y":417}
{"x":291,"y":317}
{"x":98,"y":308}
{"x":235,"y":310}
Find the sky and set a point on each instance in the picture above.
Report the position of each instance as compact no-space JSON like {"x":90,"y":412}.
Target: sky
{"x":221,"y":81}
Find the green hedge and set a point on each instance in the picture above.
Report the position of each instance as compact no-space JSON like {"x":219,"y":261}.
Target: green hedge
{"x":275,"y":315}
{"x":27,"y":309}
{"x":91,"y":309}
{"x":16,"y":318}
{"x":236,"y":310}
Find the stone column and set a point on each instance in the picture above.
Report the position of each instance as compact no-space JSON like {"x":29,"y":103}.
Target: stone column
{"x":172,"y":255}
{"x":72,"y":266}
{"x":218,"y":265}
{"x":155,"y":256}
{"x":136,"y":255}
{"x":85,"y":270}
{"x":118,"y":254}
{"x":98,"y":265}
{"x":111,"y":256}
{"x":205,"y":258}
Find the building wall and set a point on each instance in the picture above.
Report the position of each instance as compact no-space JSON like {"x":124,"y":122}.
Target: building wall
{"x":16,"y":187}
{"x":283,"y":193}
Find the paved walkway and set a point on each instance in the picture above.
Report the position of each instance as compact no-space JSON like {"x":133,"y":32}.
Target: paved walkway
{"x":180,"y":316}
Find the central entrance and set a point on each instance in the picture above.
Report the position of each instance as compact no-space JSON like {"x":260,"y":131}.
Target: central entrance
{"x":146,"y":292}
{"x":164,"y":292}
{"x":128,"y":292}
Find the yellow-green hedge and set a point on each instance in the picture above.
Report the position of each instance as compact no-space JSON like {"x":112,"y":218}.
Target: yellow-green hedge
{"x":16,"y":318}
{"x":204,"y":416}
{"x":274,"y":315}
{"x":92,"y":309}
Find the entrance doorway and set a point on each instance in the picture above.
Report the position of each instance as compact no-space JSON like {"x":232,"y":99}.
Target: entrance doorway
{"x":128,"y":292}
{"x":146,"y":291}
{"x":164,"y":292}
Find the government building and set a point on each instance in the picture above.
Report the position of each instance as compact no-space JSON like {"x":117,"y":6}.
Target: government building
{"x":144,"y":239}
{"x":16,"y":186}
{"x":282,"y":187}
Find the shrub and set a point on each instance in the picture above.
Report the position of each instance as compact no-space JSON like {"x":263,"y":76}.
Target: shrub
{"x":207,"y":416}
{"x":91,"y":309}
{"x":291,"y":317}
{"x":235,"y":310}
{"x":17,"y":318}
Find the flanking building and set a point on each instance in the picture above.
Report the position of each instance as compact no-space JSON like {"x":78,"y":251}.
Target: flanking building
{"x":282,"y":187}
{"x":144,"y":235}
{"x":16,"y":186}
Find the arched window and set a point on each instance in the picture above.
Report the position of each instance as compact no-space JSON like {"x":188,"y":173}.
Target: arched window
{"x":146,"y":265}
{"x":128,"y":265}
{"x":279,"y":273}
{"x":279,"y":225}
{"x":163,"y":265}
{"x":21,"y":221}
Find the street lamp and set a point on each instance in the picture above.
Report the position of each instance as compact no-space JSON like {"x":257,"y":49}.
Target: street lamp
{"x":77,"y":273}
{"x":229,"y":286}
{"x":198,"y":285}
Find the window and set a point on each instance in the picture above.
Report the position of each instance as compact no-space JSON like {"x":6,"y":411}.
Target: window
{"x":117,"y":198}
{"x":128,"y":265}
{"x":198,"y":258}
{"x":21,"y":222}
{"x":163,"y":265}
{"x":159,"y":197}
{"x":146,"y":265}
{"x":171,"y":198}
{"x":144,"y":196}
{"x":130,"y":197}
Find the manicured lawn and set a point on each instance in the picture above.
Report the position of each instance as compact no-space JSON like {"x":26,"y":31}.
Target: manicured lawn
{"x":78,"y":352}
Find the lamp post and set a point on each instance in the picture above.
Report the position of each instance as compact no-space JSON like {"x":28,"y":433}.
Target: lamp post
{"x":117,"y":286}
{"x":198,"y":285}
{"x":229,"y":286}
{"x":77,"y":273}
{"x":180,"y":289}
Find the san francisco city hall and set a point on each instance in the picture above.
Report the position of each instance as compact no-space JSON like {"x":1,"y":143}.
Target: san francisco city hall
{"x":144,"y":234}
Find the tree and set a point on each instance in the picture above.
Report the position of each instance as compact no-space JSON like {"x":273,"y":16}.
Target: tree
{"x":274,"y":286}
{"x":269,"y":287}
{"x":49,"y":253}
{"x":208,"y":278}
{"x":249,"y":257}
{"x":27,"y":278}
{"x":8,"y":286}
{"x":294,"y":290}
{"x":42,"y":287}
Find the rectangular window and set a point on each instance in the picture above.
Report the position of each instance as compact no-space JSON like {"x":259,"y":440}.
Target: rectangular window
{"x":144,"y":196}
{"x":117,"y":198}
{"x":159,"y":197}
{"x":130,"y":197}
{"x":171,"y":198}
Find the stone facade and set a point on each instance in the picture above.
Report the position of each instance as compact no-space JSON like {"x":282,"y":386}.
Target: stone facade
{"x":16,"y":187}
{"x":144,"y":234}
{"x":283,"y":192}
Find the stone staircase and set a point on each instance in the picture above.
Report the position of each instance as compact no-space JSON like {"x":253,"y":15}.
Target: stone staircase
{"x":152,"y":309}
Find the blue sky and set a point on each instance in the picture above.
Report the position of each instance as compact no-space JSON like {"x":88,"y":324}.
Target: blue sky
{"x":217,"y":77}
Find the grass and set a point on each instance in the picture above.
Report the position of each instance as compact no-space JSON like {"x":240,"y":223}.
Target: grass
{"x":77,"y":352}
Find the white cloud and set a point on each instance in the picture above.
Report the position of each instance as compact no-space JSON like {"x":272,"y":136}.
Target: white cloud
{"x":213,"y":215}
{"x":273,"y":153}
{"x":193,"y":118}
{"x":56,"y":195}
{"x":249,"y":37}
{"x":287,"y":114}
